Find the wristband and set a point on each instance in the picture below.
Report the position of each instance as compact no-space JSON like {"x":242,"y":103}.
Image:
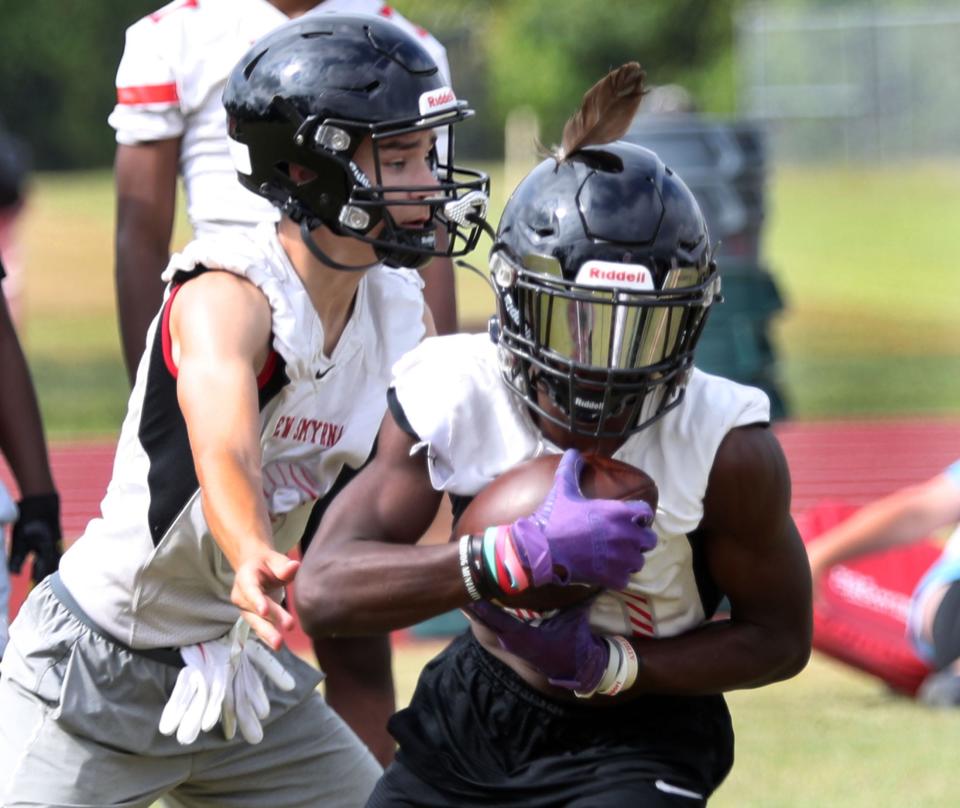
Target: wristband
{"x":502,"y":562}
{"x":623,"y":665}
{"x":628,"y":668}
{"x":466,"y":571}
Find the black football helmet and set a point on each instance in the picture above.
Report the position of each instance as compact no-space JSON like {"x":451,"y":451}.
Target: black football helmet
{"x":604,"y":275}
{"x":309,"y":92}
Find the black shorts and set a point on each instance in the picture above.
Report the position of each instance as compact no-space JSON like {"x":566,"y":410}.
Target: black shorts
{"x":477,"y":734}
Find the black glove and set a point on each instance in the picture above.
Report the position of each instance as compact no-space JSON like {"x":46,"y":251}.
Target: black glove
{"x":37,"y":531}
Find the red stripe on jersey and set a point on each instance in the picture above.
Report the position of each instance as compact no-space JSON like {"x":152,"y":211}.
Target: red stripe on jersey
{"x":165,"y":333}
{"x":633,"y":607}
{"x":641,"y":629}
{"x":171,"y":7}
{"x":386,"y":11}
{"x":268,"y":368}
{"x":148,"y":94}
{"x":262,"y":378}
{"x":302,"y":485}
{"x":423,"y":32}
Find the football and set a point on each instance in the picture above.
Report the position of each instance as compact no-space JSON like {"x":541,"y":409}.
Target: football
{"x":519,"y":491}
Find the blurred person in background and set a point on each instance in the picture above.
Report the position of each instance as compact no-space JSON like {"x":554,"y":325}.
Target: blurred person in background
{"x":169,"y":120}
{"x":902,"y":518}
{"x":36,"y":517}
{"x":14,"y":171}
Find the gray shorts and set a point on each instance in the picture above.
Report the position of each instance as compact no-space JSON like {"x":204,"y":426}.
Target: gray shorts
{"x":78,"y":727}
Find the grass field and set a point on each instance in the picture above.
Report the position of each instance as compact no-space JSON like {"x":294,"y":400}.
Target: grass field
{"x":865,"y":261}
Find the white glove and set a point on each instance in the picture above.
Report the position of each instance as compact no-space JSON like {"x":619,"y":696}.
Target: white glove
{"x":245,"y":703}
{"x":197,"y":697}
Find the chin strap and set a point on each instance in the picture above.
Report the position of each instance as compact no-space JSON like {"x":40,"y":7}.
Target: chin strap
{"x":320,"y":255}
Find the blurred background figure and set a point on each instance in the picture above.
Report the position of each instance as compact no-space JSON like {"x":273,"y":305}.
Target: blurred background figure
{"x":36,"y":517}
{"x":14,"y":172}
{"x":903,"y":518}
{"x":169,"y":121}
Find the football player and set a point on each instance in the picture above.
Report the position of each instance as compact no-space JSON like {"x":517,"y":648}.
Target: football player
{"x":898,"y":520}
{"x":264,"y":380}
{"x":169,"y":119}
{"x":603,"y":272}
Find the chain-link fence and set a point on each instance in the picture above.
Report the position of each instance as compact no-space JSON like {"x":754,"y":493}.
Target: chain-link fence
{"x":852,"y":83}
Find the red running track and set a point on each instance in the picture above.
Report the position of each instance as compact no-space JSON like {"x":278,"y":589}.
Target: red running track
{"x":841,"y":461}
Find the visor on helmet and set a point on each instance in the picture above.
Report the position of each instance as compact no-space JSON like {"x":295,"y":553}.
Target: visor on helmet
{"x":610,"y":349}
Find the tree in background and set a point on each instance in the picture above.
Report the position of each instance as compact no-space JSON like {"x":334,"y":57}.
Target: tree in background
{"x":57,"y":64}
{"x":543,"y":53}
{"x":59,"y":57}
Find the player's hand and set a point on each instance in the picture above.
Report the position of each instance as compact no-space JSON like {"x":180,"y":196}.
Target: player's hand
{"x":563,"y":648}
{"x":570,"y":539}
{"x":257,"y":588}
{"x":819,"y":569}
{"x":245,"y":704}
{"x":37,"y":532}
{"x":197,"y":698}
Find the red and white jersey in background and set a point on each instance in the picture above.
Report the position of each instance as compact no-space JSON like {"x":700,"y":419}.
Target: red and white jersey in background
{"x":175,"y":64}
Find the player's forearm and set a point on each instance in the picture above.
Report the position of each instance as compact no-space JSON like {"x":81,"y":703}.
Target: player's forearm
{"x":440,"y":294}
{"x":233,"y":503}
{"x":719,"y":657}
{"x":21,"y":431}
{"x":139,"y":293}
{"x":371,"y":588}
{"x":891,"y":522}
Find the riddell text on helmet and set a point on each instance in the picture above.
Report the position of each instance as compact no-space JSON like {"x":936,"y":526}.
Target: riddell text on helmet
{"x":608,"y":274}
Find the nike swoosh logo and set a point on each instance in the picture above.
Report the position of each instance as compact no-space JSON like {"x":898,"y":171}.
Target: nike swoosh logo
{"x":322,"y":373}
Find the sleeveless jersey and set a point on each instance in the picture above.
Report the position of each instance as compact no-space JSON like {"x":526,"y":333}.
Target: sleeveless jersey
{"x":148,"y":571}
{"x":170,"y":81}
{"x":473,"y":428}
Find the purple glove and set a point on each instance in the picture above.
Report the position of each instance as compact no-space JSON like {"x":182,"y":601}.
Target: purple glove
{"x":562,"y":648}
{"x":570,"y":539}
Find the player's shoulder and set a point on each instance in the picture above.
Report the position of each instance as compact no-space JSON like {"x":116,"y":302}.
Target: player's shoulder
{"x":181,"y":17}
{"x":430,"y":43}
{"x":449,"y":361}
{"x":715,"y":397}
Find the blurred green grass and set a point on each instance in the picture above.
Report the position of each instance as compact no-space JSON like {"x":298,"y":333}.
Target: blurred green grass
{"x":864,"y":258}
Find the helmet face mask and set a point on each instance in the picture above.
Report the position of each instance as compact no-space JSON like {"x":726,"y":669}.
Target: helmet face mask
{"x":315,"y":89}
{"x":598,"y":336}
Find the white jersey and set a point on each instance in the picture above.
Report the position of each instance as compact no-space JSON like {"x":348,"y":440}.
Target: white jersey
{"x":474,"y":428}
{"x":170,"y":82}
{"x":148,"y":571}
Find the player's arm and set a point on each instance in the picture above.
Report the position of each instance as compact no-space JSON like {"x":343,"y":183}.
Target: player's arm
{"x":220,"y":329}
{"x":145,"y":175}
{"x":903,"y":517}
{"x":756,"y":557}
{"x":361,"y":573}
{"x":37,"y":529}
{"x":440,"y":291}
{"x":21,"y":432}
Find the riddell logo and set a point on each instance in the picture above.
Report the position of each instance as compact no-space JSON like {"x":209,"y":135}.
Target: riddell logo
{"x":436,"y":100}
{"x":607,"y":275}
{"x":440,"y":100}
